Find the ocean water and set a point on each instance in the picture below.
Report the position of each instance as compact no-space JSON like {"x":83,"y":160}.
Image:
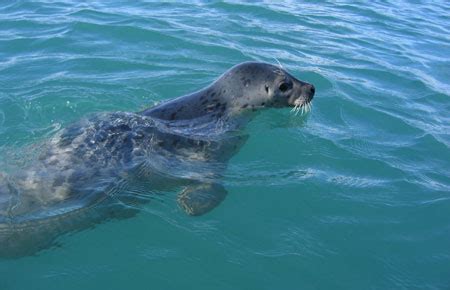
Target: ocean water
{"x":354,"y":195}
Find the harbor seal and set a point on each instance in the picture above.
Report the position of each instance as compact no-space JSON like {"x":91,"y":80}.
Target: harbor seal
{"x":86,"y":173}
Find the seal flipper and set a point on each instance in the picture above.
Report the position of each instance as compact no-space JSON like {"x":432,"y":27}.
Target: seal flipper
{"x":201,"y":198}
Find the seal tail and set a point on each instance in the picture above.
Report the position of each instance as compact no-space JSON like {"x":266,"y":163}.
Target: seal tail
{"x":20,"y":238}
{"x":17,"y":239}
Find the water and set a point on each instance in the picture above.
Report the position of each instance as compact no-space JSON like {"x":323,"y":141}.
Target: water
{"x":354,"y":196}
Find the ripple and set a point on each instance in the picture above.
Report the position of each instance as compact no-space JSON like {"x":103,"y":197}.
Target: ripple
{"x":359,"y":186}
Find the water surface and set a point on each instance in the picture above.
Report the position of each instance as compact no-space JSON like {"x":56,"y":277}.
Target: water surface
{"x":355,"y":195}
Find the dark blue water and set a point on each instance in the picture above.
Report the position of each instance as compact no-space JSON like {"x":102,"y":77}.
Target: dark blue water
{"x":355,"y":195}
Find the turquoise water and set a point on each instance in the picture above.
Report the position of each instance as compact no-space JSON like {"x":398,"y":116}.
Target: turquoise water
{"x":355,"y":195}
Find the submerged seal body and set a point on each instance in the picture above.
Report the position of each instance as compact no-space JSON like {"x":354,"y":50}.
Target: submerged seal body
{"x":84,"y":174}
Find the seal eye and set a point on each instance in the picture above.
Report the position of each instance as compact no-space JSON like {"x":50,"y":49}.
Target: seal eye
{"x":283,"y":87}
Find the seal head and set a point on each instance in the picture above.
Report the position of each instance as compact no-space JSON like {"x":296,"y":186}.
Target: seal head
{"x":245,"y":88}
{"x":261,"y":85}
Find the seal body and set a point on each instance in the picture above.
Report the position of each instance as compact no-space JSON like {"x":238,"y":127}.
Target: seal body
{"x":83,"y":174}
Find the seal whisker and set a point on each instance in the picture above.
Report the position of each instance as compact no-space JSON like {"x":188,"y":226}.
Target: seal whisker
{"x":279,"y":63}
{"x":298,"y":110}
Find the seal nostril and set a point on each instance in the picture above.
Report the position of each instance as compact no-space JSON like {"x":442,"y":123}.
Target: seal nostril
{"x":313,"y":90}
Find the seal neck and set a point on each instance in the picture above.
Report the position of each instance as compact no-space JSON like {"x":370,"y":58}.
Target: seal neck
{"x":208,"y":106}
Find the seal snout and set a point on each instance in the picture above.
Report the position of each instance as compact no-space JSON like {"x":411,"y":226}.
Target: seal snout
{"x":308,"y":91}
{"x":302,"y":95}
{"x":312,"y":90}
